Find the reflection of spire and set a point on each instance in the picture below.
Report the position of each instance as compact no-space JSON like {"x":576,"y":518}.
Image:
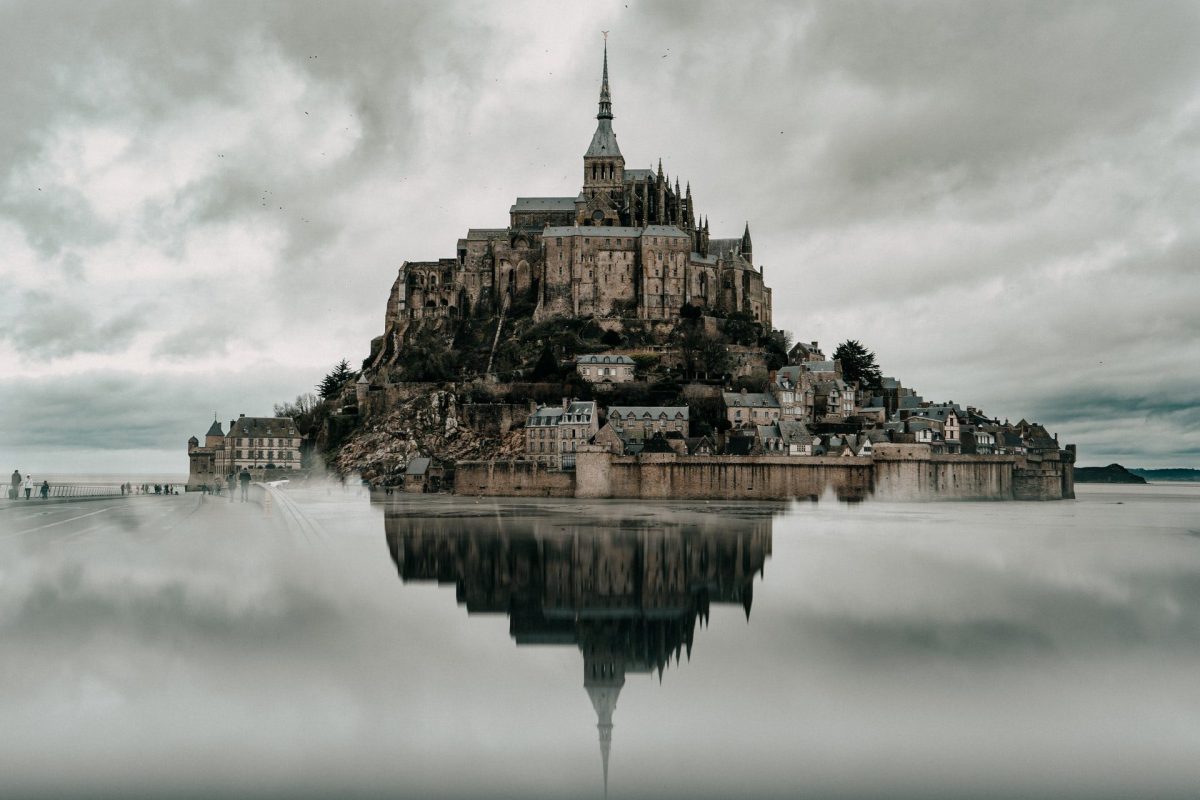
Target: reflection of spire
{"x":603,"y":679}
{"x":630,"y":597}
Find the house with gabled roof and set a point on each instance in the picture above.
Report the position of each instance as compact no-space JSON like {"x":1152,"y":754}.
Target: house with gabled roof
{"x":639,"y":423}
{"x":746,"y":409}
{"x":605,"y":368}
{"x":554,"y":433}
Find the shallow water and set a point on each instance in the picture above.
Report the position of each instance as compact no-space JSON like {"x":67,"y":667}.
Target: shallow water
{"x":427,"y":646}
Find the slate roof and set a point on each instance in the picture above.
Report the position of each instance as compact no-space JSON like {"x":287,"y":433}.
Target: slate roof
{"x":638,"y":174}
{"x":544,"y":204}
{"x":264,"y":426}
{"x":790,"y":373}
{"x":600,"y":358}
{"x":1010,"y":439}
{"x":580,"y":411}
{"x":576,"y":412}
{"x":794,"y":432}
{"x":749,"y":400}
{"x":215,"y":429}
{"x":546,"y":415}
{"x":821,"y":366}
{"x":767,"y":432}
{"x":604,"y":140}
{"x":670,"y":231}
{"x":940,"y":413}
{"x":600,"y":231}
{"x":417,"y":466}
{"x":648,"y":412}
{"x":724,"y":248}
{"x":486,"y":233}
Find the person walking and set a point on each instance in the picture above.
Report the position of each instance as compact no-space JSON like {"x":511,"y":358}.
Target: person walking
{"x":231,"y":484}
{"x":27,"y":486}
{"x":244,"y":477}
{"x":45,"y":489}
{"x":16,"y":485}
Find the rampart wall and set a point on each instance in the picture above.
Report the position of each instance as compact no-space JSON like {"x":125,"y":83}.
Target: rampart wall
{"x":512,"y":479}
{"x":895,"y":473}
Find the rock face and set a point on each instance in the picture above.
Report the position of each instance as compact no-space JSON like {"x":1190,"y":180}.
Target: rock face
{"x":1113,"y":473}
{"x":423,"y":425}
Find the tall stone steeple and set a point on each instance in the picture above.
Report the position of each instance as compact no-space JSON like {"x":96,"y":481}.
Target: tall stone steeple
{"x":603,"y":166}
{"x":747,"y":248}
{"x":605,"y":97}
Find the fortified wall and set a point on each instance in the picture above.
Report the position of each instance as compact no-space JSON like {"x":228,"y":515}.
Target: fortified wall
{"x":895,"y":472}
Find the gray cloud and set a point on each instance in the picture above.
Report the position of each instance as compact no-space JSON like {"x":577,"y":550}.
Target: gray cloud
{"x":46,"y":327}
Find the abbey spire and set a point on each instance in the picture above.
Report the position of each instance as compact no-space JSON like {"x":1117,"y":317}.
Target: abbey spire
{"x":605,"y":97}
{"x":604,"y":197}
{"x":604,"y":141}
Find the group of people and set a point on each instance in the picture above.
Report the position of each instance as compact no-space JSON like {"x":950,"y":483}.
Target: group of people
{"x":26,"y":484}
{"x":231,"y":482}
{"x":148,"y":488}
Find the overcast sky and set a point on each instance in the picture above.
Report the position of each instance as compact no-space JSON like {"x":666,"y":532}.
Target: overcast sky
{"x":203,"y":205}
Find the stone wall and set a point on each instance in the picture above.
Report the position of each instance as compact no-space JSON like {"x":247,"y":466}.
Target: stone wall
{"x":895,"y":473}
{"x":667,"y":475}
{"x":912,"y":472}
{"x":512,"y":479}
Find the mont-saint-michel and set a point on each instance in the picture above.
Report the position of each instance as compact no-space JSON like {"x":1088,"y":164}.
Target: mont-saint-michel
{"x":624,"y":399}
{"x":607,"y":344}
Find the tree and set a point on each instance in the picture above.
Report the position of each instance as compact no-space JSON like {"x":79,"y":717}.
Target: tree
{"x":858,"y":364}
{"x":304,"y":404}
{"x":546,"y":368}
{"x":742,"y":328}
{"x":334,"y":381}
{"x":778,"y":343}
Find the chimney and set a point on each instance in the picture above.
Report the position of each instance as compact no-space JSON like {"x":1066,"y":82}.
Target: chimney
{"x":565,"y":403}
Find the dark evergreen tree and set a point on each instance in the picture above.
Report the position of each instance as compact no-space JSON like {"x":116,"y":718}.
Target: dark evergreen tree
{"x":546,"y":368}
{"x":334,"y":381}
{"x":858,"y":364}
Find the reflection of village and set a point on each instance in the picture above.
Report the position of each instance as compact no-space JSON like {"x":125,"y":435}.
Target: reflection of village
{"x":626,"y":591}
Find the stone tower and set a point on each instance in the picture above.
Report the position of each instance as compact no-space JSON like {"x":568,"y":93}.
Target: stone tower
{"x":603,"y":167}
{"x":215,"y":437}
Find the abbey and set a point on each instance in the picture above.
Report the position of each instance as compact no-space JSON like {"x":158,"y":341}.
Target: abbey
{"x":629,"y":244}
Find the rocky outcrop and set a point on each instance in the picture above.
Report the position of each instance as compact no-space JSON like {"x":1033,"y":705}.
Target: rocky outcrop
{"x":428,"y":424}
{"x":1113,"y":473}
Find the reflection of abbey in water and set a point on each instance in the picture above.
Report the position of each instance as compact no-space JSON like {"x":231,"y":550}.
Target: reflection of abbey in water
{"x":627,"y":592}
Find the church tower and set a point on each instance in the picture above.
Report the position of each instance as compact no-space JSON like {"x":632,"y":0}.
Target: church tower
{"x":603,"y":166}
